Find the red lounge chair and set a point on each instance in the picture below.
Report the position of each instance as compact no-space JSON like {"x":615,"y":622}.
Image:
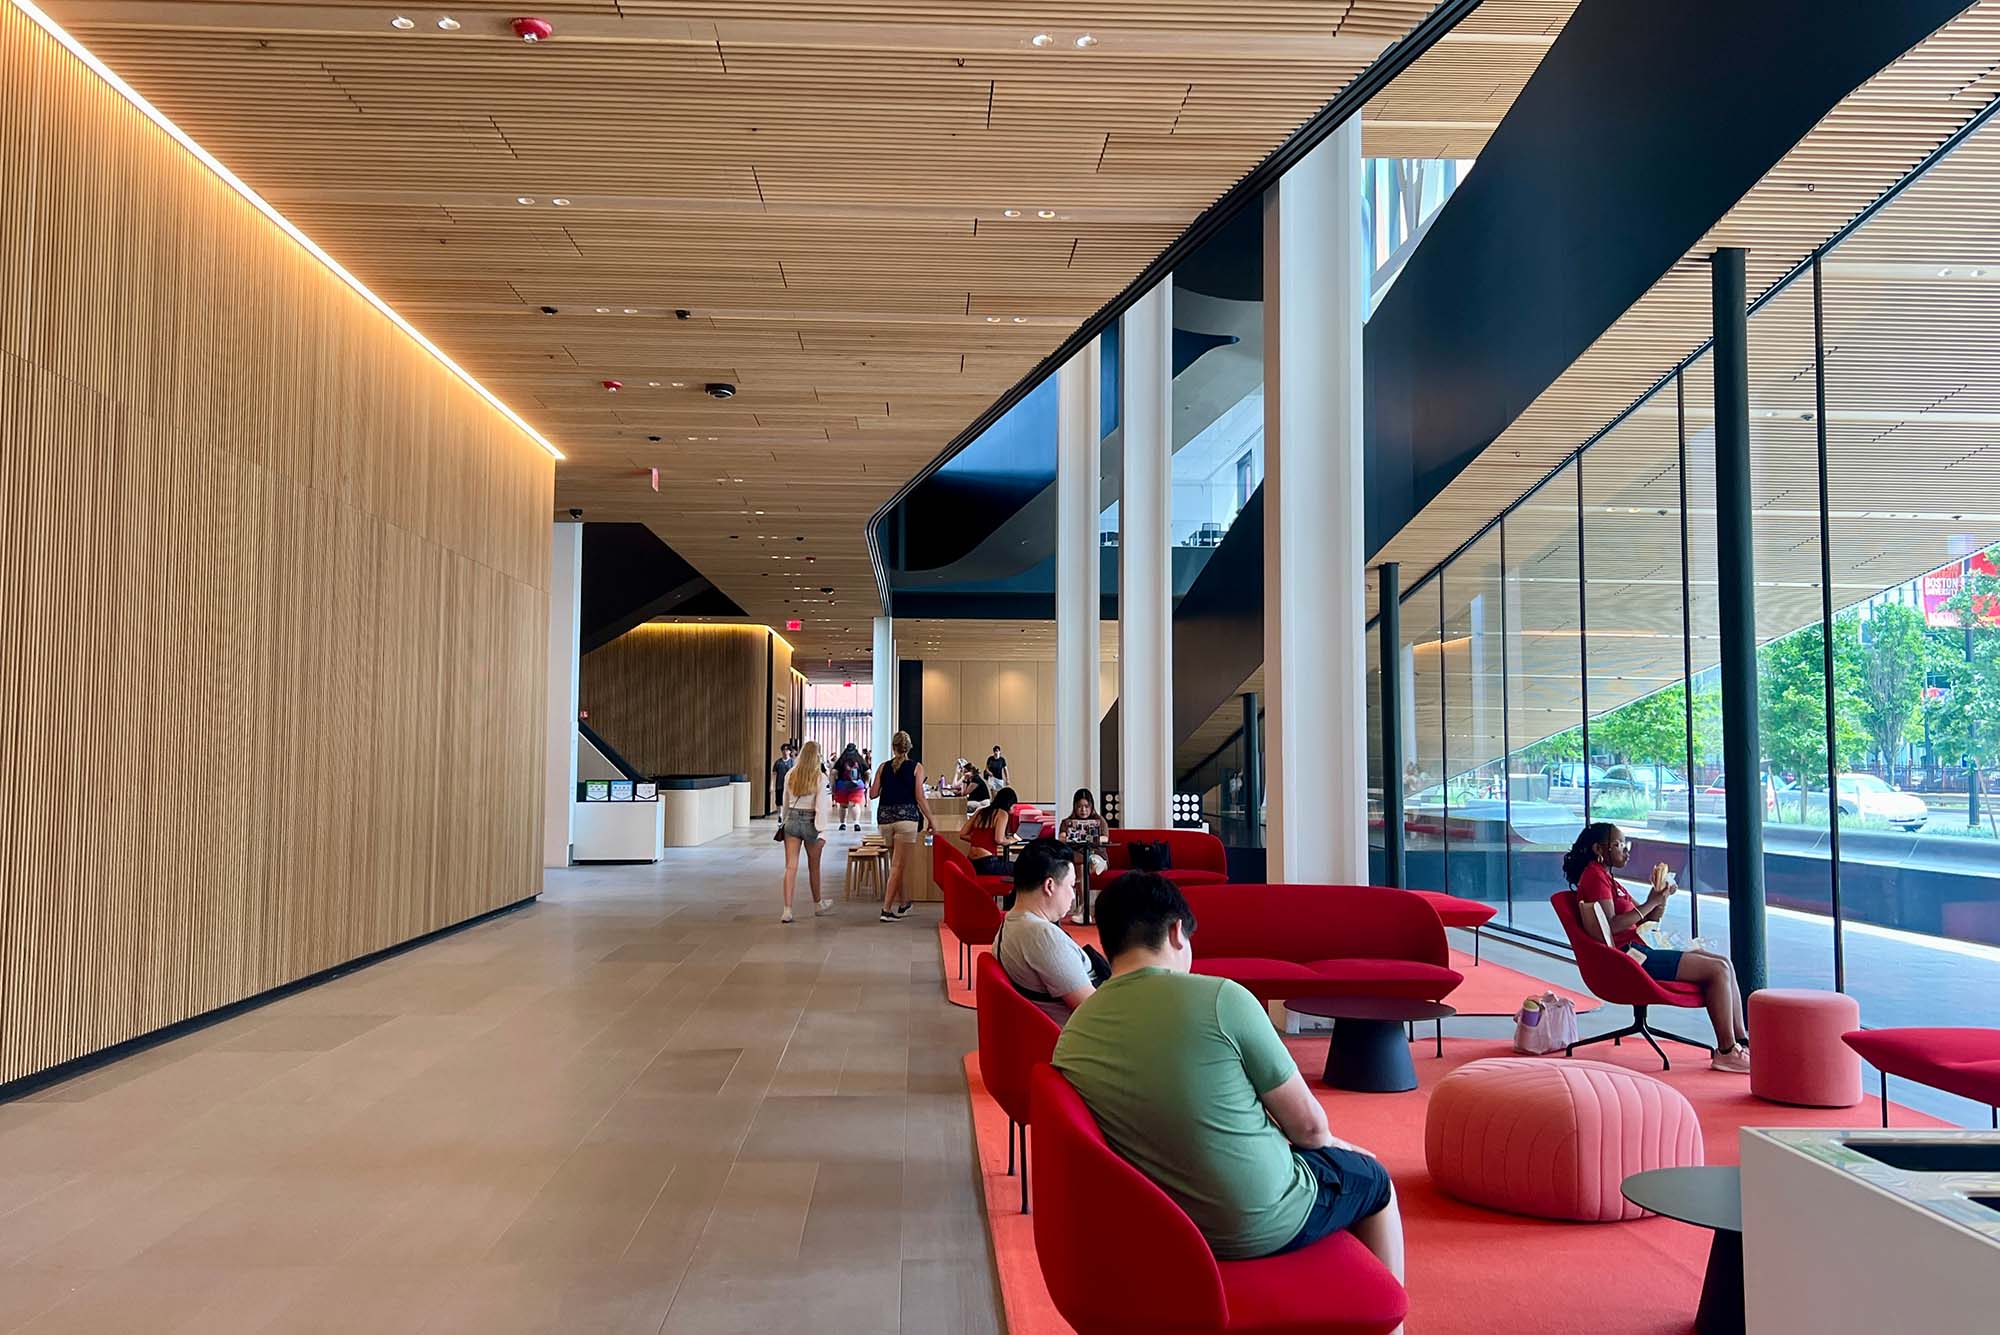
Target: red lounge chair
{"x":1101,"y":1223}
{"x":1615,"y":978}
{"x":1965,"y":1062}
{"x":969,"y":913}
{"x":944,"y":853}
{"x":1285,"y":941}
{"x":1015,"y":1036}
{"x":1453,"y":911}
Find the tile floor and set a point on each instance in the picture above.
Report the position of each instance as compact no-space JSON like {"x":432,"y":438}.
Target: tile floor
{"x":640,"y":1105}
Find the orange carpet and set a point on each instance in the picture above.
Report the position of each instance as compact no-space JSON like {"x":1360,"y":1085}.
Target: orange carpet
{"x":1471,"y":1271}
{"x":1488,"y":989}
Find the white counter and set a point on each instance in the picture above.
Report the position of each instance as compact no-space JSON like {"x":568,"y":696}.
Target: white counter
{"x":618,"y":831}
{"x":697,"y":815}
{"x":739,"y":793}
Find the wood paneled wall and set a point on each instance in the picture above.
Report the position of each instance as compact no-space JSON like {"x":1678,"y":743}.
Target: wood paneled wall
{"x":971,"y":704}
{"x":680,"y":698}
{"x":272,"y":596}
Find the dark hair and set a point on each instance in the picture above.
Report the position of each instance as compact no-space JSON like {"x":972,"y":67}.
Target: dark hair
{"x":1036,"y":863}
{"x":1083,"y":795}
{"x":1134,"y":911}
{"x":1584,"y":851}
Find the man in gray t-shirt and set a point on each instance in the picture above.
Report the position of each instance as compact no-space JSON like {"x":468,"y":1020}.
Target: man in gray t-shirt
{"x":1040,"y":958}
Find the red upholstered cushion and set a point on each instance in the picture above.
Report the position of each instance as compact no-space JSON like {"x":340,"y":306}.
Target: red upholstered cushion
{"x":1314,"y":922}
{"x":1456,"y":912}
{"x":1195,"y":876}
{"x":1963,"y":1061}
{"x":1268,"y":980}
{"x":1387,"y":978}
{"x":1290,"y":1293}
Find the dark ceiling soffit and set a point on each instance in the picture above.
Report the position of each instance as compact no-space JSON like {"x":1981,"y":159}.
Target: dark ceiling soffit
{"x":1566,"y":222}
{"x":1242,"y":195}
{"x":1798,"y":271}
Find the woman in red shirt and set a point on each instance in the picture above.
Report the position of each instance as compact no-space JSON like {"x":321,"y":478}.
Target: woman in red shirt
{"x":1610,"y":915}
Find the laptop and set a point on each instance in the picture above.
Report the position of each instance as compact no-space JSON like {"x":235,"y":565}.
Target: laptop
{"x":1030,"y":831}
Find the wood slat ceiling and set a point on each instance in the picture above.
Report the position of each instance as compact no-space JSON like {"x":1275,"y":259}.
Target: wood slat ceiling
{"x":823,"y":188}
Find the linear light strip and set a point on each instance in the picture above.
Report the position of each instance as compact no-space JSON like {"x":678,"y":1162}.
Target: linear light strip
{"x":229,"y":178}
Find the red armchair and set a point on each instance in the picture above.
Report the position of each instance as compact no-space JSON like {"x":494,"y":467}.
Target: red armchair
{"x":1284,"y":941}
{"x":1015,"y":1036}
{"x":1615,"y":978}
{"x":1195,"y":857}
{"x":1333,"y":1287}
{"x":969,"y":913}
{"x":945,"y":853}
{"x":1960,"y":1061}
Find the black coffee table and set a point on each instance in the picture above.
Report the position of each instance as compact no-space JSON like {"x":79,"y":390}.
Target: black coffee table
{"x":1369,"y":1051}
{"x":1710,"y":1198}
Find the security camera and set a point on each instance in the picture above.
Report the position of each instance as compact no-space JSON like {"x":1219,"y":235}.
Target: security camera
{"x":680,"y":315}
{"x":548,"y":310}
{"x":575,"y":513}
{"x":719,"y":390}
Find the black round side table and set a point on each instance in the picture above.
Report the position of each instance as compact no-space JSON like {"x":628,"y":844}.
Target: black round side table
{"x":1369,"y":1051}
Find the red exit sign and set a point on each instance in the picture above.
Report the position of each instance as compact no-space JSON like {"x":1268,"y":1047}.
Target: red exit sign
{"x":795,"y":624}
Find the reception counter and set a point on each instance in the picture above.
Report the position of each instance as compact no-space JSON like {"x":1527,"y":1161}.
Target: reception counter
{"x":699,"y":807}
{"x":617,"y":832}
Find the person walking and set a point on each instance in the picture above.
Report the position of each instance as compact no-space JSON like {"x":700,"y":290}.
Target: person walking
{"x":901,"y":813}
{"x":850,"y":786}
{"x":779,"y":769}
{"x":807,"y":810}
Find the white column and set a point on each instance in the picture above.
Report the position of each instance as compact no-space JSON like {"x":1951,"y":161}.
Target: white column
{"x":1145,"y":561}
{"x":1078,"y":607}
{"x":882,"y":668}
{"x":565,"y":634}
{"x":1315,"y":290}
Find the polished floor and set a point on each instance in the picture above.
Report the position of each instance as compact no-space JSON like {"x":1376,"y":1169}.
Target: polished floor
{"x":640,"y":1105}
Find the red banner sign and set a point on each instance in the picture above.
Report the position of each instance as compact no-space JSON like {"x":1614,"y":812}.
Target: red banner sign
{"x":1941,"y":586}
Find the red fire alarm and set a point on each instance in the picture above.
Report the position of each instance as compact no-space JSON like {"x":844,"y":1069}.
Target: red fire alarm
{"x":534,"y":30}
{"x":613,"y":386}
{"x":848,"y":682}
{"x":795,"y":624}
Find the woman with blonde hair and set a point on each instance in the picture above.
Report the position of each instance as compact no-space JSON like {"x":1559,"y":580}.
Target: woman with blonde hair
{"x":902,"y":814}
{"x":808,"y":811}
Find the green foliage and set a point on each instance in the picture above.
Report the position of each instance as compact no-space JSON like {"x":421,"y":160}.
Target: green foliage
{"x":1879,"y":679}
{"x":1649,"y":730}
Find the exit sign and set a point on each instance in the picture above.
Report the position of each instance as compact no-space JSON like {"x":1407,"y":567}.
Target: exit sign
{"x":795,"y":624}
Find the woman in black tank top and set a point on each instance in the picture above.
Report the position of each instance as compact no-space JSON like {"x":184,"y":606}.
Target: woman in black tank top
{"x":902,"y":814}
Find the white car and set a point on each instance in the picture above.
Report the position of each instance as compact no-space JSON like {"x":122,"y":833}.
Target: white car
{"x":1868,"y":797}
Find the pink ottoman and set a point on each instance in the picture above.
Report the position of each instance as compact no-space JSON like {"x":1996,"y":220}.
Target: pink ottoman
{"x":1796,"y":1052}
{"x":1554,"y":1138}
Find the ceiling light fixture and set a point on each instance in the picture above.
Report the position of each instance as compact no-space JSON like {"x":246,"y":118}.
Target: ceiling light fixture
{"x":1020,"y":319}
{"x":652,"y":384}
{"x":524,"y":199}
{"x":560,"y":203}
{"x":1045,"y":213}
{"x":993,"y":319}
{"x":279,"y":220}
{"x":682,"y":384}
{"x":631,"y":310}
{"x":1010,"y":213}
{"x":1086,"y":41}
{"x":604,"y":310}
{"x":402,"y":24}
{"x":1042,"y":39}
{"x":449,"y":24}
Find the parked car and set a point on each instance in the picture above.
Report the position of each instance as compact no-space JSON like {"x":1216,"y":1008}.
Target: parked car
{"x":1571,"y":773}
{"x":1868,"y":797}
{"x":1655,"y":781}
{"x":1774,"y":788}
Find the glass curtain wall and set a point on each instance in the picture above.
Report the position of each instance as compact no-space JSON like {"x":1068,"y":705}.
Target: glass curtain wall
{"x":1562,"y":668}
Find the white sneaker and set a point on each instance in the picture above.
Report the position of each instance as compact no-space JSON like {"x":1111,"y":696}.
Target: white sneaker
{"x":787,"y":917}
{"x":1736,"y":1062}
{"x":822,"y":908}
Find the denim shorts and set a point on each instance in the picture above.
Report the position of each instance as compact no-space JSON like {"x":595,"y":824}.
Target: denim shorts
{"x":799,"y":825}
{"x":1662,"y":966}
{"x":1352,"y":1186}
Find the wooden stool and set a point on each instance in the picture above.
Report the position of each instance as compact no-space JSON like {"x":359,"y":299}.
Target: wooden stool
{"x":866,"y":872}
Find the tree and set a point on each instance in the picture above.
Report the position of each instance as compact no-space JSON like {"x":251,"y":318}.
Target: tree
{"x":1791,"y":708}
{"x":1649,"y":730}
{"x":1883,"y":664}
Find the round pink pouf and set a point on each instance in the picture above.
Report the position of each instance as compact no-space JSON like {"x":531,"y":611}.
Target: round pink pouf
{"x":1554,"y":1138}
{"x":1796,"y":1055}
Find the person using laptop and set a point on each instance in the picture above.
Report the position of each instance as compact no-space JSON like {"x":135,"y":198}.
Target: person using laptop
{"x":989,"y":831}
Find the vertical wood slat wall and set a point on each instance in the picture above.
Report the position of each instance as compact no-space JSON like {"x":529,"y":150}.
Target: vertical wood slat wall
{"x":681,"y":698}
{"x":273,"y":596}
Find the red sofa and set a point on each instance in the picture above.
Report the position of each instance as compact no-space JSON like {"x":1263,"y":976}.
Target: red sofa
{"x":1101,"y":1225}
{"x":1961,"y":1061}
{"x":1284,"y":941}
{"x":1195,"y":857}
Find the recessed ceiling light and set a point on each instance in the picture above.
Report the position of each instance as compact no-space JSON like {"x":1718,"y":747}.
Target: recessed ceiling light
{"x":1045,"y":213}
{"x":560,"y":203}
{"x":403,"y":23}
{"x":682,"y":384}
{"x":448,"y":23}
{"x":1020,"y":319}
{"x":1944,"y":273}
{"x":993,"y":319}
{"x":1010,"y":213}
{"x":652,"y":384}
{"x":524,"y":199}
{"x":1979,"y":273}
{"x":604,"y":310}
{"x":631,"y":310}
{"x":1042,"y":39}
{"x":1086,"y":41}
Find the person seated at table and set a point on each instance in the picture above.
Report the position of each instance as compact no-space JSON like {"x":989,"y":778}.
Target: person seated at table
{"x":972,"y":786}
{"x":1083,"y":824}
{"x":1045,"y":963}
{"x":989,"y":830}
{"x":1192,"y":1085}
{"x":1610,"y":915}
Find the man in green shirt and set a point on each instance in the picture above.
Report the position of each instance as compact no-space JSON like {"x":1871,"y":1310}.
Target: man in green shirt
{"x":1193,"y":1086}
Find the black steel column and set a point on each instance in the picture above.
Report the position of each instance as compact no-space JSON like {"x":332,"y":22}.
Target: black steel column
{"x":1736,"y":580}
{"x":1253,"y":768}
{"x":1389,"y":626}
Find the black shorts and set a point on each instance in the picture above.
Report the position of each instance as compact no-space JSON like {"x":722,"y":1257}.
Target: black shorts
{"x":1352,"y":1186}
